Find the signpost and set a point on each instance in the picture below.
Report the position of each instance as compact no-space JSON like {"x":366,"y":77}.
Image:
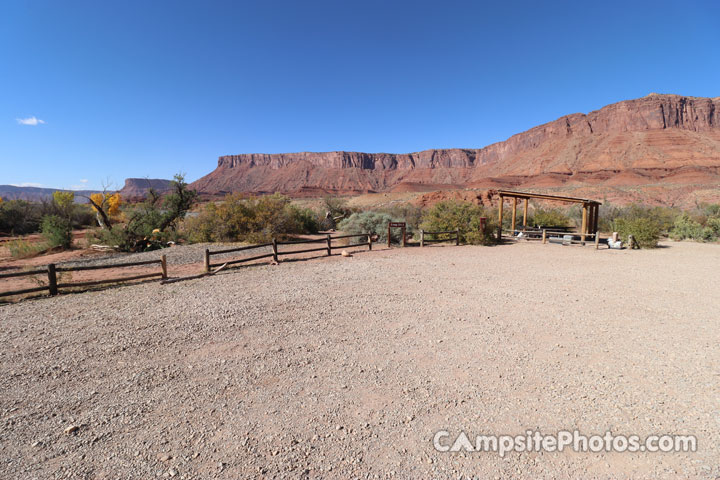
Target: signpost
{"x":392,"y":225}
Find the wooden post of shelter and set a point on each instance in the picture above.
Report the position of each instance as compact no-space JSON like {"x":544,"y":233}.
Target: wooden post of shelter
{"x":583,"y":229}
{"x":596,"y":218}
{"x":525,"y":211}
{"x":514,"y":215}
{"x":52,"y":280}
{"x":500,"y":219}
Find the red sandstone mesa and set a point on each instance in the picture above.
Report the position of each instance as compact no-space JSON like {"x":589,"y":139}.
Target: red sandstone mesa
{"x":658,"y":139}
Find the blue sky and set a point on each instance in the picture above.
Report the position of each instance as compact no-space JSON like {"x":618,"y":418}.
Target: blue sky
{"x":150,"y":88}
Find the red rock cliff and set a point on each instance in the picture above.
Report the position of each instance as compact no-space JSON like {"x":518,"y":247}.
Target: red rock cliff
{"x":655,"y":135}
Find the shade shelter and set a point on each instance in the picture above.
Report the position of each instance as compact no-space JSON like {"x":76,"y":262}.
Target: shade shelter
{"x":590,"y":209}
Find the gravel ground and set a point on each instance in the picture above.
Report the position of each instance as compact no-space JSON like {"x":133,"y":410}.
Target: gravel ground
{"x":346,"y":367}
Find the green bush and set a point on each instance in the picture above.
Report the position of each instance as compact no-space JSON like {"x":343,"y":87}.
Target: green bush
{"x":82,"y":216}
{"x":463,"y":216}
{"x":542,"y":217}
{"x":371,"y":222}
{"x":714,"y":224}
{"x":645,"y":230}
{"x":250,"y":218}
{"x":18,"y":217}
{"x":664,"y":217}
{"x":685,"y":227}
{"x":151,"y":224}
{"x":406,"y":212}
{"x":57,"y":231}
{"x":24,"y":249}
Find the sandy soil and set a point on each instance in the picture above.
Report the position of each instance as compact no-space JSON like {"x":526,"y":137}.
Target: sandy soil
{"x":346,"y":367}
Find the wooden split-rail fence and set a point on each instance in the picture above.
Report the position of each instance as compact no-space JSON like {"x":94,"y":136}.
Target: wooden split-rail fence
{"x":51,"y":272}
{"x":277,"y":252}
{"x":454,"y":236}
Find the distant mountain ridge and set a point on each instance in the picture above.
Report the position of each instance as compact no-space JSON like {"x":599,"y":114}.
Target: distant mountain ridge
{"x":38,"y":194}
{"x":658,"y":138}
{"x":133,"y":190}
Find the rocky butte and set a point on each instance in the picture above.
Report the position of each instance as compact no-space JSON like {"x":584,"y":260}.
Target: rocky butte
{"x":135,"y":188}
{"x":667,"y":145}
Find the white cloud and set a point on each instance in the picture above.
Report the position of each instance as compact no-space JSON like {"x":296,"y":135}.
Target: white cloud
{"x":30,"y":121}
{"x":27,"y":184}
{"x":81,"y":186}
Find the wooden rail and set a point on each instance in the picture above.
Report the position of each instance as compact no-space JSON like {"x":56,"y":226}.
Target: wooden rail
{"x":52,"y":270}
{"x":277,"y":253}
{"x":424,"y":240}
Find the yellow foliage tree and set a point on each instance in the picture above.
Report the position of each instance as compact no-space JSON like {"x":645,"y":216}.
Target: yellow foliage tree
{"x":64,"y":201}
{"x":113,"y":203}
{"x":105,"y":205}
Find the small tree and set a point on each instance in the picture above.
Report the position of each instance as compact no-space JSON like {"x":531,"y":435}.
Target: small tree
{"x":64,"y":201}
{"x":105,"y":205}
{"x":177,"y":203}
{"x":57,"y":231}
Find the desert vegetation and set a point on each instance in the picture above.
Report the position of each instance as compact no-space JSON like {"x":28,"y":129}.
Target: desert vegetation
{"x":250,"y":218}
{"x":160,"y":220}
{"x":149,"y":225}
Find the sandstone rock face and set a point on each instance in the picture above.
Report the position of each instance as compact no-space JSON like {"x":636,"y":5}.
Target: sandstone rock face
{"x":135,"y":188}
{"x":658,"y":138}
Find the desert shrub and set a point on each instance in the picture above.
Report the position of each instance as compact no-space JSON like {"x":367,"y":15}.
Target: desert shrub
{"x":149,"y":225}
{"x":714,"y":224}
{"x":463,"y":216}
{"x":542,"y":217}
{"x":645,"y":230}
{"x":82,"y":216}
{"x":57,"y":231}
{"x":405,"y":212}
{"x":250,"y":218}
{"x":19,"y":217}
{"x":338,"y":207}
{"x":370,"y":222}
{"x":685,"y":227}
{"x":25,"y":249}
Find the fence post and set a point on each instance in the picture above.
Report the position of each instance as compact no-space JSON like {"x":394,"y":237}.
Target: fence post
{"x":544,"y":240}
{"x":388,"y":235}
{"x":52,"y":279}
{"x":597,"y":240}
{"x":369,"y":241}
{"x":163,"y":265}
{"x":422,"y":237}
{"x":457,"y":237}
{"x":631,"y":242}
{"x":274,"y":247}
{"x":329,"y":245}
{"x":206,"y":261}
{"x":404,"y":237}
